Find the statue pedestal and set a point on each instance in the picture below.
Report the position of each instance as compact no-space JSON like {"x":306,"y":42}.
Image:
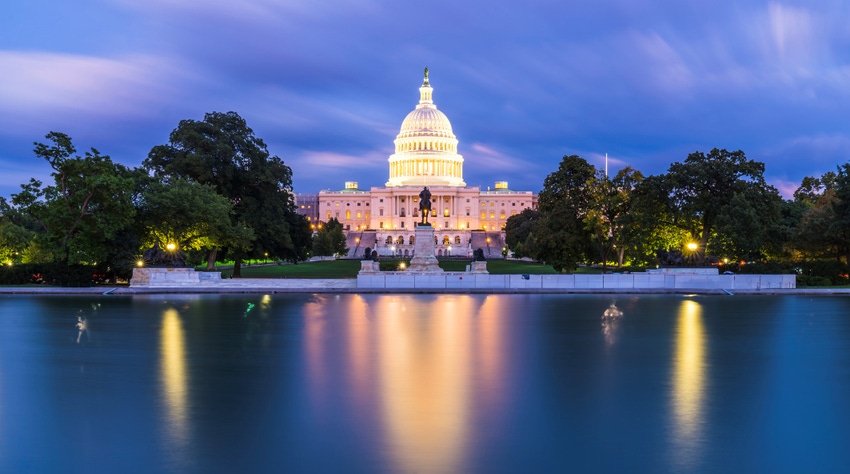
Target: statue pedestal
{"x":423,"y":260}
{"x":479,"y":267}
{"x":369,"y":267}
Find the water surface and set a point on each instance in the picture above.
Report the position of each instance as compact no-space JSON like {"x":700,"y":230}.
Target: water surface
{"x":425,"y":383}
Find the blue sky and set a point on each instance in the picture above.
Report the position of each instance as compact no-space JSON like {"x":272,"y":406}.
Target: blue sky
{"x":327,"y":83}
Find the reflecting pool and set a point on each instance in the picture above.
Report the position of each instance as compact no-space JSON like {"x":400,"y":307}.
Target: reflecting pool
{"x":425,"y":384}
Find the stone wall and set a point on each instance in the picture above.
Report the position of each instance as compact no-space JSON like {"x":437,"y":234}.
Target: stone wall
{"x":635,"y":281}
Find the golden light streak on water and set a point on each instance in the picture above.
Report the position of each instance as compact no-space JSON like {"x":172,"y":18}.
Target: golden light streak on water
{"x":174,"y":376}
{"x":491,"y":352}
{"x":425,"y":358}
{"x":688,"y":384}
{"x":359,"y":344}
{"x":315,"y":341}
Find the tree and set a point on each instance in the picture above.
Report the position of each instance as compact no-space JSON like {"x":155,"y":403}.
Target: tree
{"x":839,"y":230}
{"x":697,"y":191}
{"x":607,"y":214}
{"x":812,"y":237}
{"x":746,"y":226}
{"x":188,"y":214}
{"x":329,"y":240}
{"x":561,"y":239}
{"x":14,"y":241}
{"x":518,"y":229}
{"x":86,"y":206}
{"x":221,"y":151}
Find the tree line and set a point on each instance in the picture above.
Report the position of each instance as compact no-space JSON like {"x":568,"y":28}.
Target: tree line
{"x":710,"y":209}
{"x":213,"y":191}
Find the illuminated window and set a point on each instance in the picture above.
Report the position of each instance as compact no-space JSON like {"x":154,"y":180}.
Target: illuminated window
{"x":347,"y":214}
{"x":483,"y":214}
{"x":411,"y":240}
{"x":358,"y":214}
{"x":445,"y":240}
{"x":457,"y":240}
{"x":492,"y":215}
{"x":389,"y":240}
{"x":446,"y":212}
{"x":329,"y":215}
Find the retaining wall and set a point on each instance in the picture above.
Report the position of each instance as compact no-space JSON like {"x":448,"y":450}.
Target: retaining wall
{"x":636,"y":281}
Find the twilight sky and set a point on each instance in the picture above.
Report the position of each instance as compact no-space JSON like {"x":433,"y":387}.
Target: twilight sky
{"x":326,"y":83}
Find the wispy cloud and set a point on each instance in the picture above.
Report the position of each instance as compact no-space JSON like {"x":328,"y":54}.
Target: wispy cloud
{"x":50,"y":84}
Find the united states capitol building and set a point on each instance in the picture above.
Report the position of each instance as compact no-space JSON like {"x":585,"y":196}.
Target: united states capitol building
{"x":383,"y":218}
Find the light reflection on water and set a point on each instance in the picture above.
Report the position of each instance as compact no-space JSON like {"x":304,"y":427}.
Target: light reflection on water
{"x":174,"y":381}
{"x":425,"y":364}
{"x":425,"y":383}
{"x":688,"y":385}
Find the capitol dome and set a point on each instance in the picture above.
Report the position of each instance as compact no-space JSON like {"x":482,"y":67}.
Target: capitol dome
{"x":426,"y":121}
{"x":425,"y":147}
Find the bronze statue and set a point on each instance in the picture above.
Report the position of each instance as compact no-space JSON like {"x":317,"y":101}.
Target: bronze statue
{"x":425,"y":205}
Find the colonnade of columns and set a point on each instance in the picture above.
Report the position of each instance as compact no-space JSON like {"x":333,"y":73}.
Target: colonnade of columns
{"x":426,"y":167}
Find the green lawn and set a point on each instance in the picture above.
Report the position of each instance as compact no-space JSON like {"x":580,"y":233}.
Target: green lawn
{"x":349,"y":269}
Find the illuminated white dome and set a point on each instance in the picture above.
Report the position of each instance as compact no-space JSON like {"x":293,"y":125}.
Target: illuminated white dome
{"x":425,"y":147}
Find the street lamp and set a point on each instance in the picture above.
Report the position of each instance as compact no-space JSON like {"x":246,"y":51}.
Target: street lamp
{"x":393,"y":249}
{"x":171,"y":246}
{"x":450,"y":249}
{"x":692,"y":246}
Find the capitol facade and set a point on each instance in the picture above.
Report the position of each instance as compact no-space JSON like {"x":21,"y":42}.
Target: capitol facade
{"x":383,"y":218}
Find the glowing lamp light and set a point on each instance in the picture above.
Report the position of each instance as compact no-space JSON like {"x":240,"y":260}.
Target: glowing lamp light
{"x":692,"y":246}
{"x":171,"y":247}
{"x":140,"y":263}
{"x":402,"y":266}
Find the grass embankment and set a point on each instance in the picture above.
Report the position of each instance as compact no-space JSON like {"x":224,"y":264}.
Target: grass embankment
{"x":349,"y":268}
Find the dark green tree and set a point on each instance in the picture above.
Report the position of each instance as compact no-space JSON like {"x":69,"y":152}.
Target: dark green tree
{"x":607,"y":214}
{"x":329,"y":240}
{"x":697,"y":191}
{"x":518,"y":229}
{"x":812,"y":237}
{"x":88,"y":204}
{"x":747,"y":225}
{"x":839,"y":230}
{"x":221,"y":151}
{"x":561,"y":238}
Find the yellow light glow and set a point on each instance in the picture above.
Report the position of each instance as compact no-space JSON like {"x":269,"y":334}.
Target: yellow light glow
{"x":689,"y":378}
{"x":174,"y":376}
{"x":171,"y":247}
{"x":402,"y":266}
{"x":692,"y":246}
{"x":140,"y":263}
